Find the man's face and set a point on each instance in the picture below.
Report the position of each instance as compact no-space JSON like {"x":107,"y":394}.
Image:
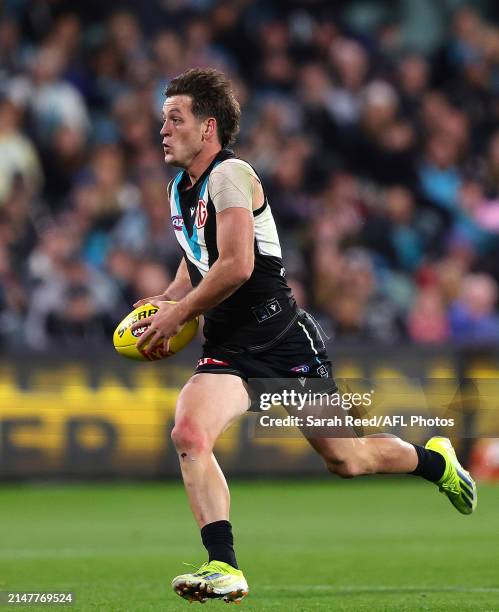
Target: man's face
{"x":182,"y":132}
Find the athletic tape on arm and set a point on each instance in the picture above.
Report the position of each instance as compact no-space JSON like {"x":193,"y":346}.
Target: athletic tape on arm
{"x":231,"y":185}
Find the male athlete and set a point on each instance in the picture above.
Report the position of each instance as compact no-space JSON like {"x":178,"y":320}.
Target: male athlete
{"x":232,"y":273}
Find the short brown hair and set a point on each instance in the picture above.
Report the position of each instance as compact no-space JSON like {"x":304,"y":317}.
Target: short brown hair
{"x":212,"y":96}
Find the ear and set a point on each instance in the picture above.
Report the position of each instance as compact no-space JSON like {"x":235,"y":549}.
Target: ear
{"x":209,"y":128}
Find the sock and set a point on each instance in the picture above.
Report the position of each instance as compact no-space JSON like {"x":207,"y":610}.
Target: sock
{"x":431,"y":465}
{"x":219,"y":542}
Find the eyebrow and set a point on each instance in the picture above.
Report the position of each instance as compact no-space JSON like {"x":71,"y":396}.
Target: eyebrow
{"x":174,"y":110}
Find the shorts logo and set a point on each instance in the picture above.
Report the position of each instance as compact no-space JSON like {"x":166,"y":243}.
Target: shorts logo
{"x":322,"y":371}
{"x":178,"y":223}
{"x":202,"y":214}
{"x":211,"y":361}
{"x":265,"y":311}
{"x":301,"y":368}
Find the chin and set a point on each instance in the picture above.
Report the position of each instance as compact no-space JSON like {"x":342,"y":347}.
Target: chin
{"x":172,"y":161}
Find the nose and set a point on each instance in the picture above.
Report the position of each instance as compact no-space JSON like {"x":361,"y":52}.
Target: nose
{"x":164,"y":129}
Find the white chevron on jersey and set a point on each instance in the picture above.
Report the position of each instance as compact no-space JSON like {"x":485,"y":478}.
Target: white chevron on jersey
{"x":267,"y":239}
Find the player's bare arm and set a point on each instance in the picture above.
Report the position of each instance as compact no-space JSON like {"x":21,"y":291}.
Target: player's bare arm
{"x":232,"y":269}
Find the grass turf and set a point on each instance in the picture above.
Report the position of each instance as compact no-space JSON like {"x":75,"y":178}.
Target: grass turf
{"x":385,"y":544}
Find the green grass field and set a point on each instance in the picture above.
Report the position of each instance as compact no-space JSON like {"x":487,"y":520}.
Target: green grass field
{"x":387,"y":544}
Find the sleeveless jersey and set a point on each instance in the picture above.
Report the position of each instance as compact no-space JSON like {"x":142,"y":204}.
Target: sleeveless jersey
{"x":257,"y":314}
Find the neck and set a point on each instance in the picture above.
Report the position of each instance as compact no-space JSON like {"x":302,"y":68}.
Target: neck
{"x":201,"y":161}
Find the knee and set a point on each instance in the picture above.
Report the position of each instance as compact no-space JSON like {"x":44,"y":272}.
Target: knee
{"x":187,"y":436}
{"x":348,"y":465}
{"x":345,"y":468}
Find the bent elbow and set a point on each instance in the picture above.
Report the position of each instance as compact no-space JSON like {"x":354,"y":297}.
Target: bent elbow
{"x":243,"y":275}
{"x":243,"y":272}
{"x":236,"y":271}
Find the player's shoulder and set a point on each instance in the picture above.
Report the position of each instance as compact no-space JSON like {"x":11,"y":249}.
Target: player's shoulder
{"x":233,"y":171}
{"x":234,"y":164}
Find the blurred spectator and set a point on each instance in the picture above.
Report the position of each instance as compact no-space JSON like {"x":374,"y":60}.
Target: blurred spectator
{"x":121,"y":266}
{"x":491,"y":174}
{"x":358,"y":310}
{"x":382,"y":146}
{"x":73,"y":295}
{"x":77,"y":322}
{"x":413,"y":79}
{"x":439,"y":174}
{"x":350,"y":64}
{"x":151,"y":278}
{"x":146,"y":231}
{"x":427,"y":321}
{"x":18,"y":157}
{"x":394,"y":232}
{"x":472,"y":317}
{"x":13,"y":302}
{"x":53,"y":101}
{"x":62,"y":159}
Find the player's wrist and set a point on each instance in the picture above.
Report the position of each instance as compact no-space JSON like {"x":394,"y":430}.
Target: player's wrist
{"x":183,"y":311}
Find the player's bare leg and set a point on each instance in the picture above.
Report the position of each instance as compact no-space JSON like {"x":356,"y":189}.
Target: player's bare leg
{"x":349,"y":457}
{"x":207,"y":405}
{"x":379,"y":454}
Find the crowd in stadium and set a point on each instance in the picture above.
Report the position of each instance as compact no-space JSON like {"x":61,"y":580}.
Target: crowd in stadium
{"x":380,"y":159}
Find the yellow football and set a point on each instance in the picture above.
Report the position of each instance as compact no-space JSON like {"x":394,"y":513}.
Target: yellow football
{"x":125,"y":339}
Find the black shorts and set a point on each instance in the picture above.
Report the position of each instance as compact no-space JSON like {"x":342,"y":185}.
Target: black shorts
{"x":300,"y":352}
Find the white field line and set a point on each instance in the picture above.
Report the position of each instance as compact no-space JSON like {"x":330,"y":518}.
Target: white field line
{"x":69,"y":553}
{"x":378,"y":588}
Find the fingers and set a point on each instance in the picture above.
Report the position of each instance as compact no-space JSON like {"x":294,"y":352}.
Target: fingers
{"x":150,"y":338}
{"x":154,"y":300}
{"x":150,"y":328}
{"x":166,"y":346}
{"x":148,"y":332}
{"x":142,"y":323}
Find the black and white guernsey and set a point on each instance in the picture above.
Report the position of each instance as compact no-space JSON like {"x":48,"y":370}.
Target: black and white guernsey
{"x":257,"y":314}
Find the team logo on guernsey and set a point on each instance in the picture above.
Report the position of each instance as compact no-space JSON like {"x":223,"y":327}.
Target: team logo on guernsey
{"x":202,"y":214}
{"x":211,"y":361}
{"x":178,"y":223}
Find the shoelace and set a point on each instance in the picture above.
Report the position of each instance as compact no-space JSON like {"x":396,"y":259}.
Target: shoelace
{"x":213,"y":564}
{"x":192,"y":565}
